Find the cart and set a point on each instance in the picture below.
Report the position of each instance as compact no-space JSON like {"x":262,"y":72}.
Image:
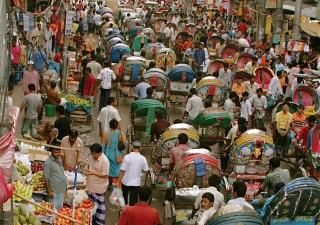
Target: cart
{"x":249,"y":160}
{"x":263,"y":76}
{"x":228,"y":53}
{"x":243,"y":59}
{"x":186,"y":185}
{"x":211,"y":88}
{"x":166,"y":58}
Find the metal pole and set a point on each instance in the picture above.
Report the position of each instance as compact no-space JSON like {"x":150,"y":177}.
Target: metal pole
{"x":261,"y":16}
{"x":296,"y":21}
{"x":257,"y":23}
{"x":65,"y":54}
{"x":278,"y":17}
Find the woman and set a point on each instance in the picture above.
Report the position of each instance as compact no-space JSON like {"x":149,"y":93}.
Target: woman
{"x":46,"y":131}
{"x":91,"y":44}
{"x":110,"y":142}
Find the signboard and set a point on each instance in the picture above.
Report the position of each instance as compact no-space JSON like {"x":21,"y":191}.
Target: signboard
{"x":28,"y":23}
{"x":261,"y":32}
{"x":271,"y":4}
{"x":68,"y":22}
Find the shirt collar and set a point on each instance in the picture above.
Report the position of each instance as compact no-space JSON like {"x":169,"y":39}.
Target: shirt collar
{"x":142,"y":205}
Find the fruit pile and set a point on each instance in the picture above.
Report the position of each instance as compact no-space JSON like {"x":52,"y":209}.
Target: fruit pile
{"x":36,"y":167}
{"x":22,"y":189}
{"x":22,"y":217}
{"x":78,"y":101}
{"x":86,"y":204}
{"x":40,"y":211}
{"x":22,"y":169}
{"x":37,"y":181}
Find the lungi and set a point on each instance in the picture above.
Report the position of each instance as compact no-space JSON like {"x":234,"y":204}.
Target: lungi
{"x":99,"y":199}
{"x":48,"y":46}
{"x":57,"y":200}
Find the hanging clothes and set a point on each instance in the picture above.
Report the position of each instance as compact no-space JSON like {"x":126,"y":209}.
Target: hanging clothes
{"x":269,"y":21}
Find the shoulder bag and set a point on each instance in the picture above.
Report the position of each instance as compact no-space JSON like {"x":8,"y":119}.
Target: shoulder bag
{"x":121,"y":146}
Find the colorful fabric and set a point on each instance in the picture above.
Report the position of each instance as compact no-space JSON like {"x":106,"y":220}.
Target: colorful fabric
{"x":100,"y":215}
{"x":150,"y":119}
{"x":57,"y":200}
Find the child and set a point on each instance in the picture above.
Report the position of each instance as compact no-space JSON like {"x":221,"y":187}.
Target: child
{"x":207,"y":205}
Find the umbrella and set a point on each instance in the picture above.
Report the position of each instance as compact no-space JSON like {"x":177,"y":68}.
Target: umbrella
{"x":311,"y":28}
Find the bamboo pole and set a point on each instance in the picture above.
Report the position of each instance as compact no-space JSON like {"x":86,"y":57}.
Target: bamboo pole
{"x":37,"y":143}
{"x":49,"y":210}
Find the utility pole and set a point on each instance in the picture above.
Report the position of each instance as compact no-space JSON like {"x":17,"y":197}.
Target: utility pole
{"x":278,"y":26}
{"x":4,"y":60}
{"x":261,"y":16}
{"x":257,"y":23}
{"x":65,"y":53}
{"x":296,"y":21}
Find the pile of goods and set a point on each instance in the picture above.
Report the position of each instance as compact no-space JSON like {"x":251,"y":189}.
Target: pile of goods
{"x":89,"y":205}
{"x":37,"y":181}
{"x":22,"y":169}
{"x":86,"y":204}
{"x":40,"y":211}
{"x":21,"y":216}
{"x":22,"y":189}
{"x":77,"y":101}
{"x":37,"y":166}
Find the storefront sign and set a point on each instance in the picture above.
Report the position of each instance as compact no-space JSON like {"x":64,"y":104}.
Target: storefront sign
{"x":261,"y":32}
{"x":271,"y":4}
{"x":28,"y":23}
{"x":68,"y":23}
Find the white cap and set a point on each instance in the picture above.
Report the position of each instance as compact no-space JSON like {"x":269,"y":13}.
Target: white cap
{"x":30,"y":62}
{"x":14,"y":34}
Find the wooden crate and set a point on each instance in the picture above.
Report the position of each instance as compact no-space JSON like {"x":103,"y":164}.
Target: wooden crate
{"x":79,"y":116}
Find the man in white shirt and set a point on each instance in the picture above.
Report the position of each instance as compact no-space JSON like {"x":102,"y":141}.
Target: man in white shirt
{"x":246,"y":108}
{"x":251,"y":85}
{"x":107,"y":114}
{"x":259,"y":103}
{"x":274,"y":89}
{"x":194,"y":106}
{"x":225,"y":75}
{"x":208,"y":200}
{"x":249,"y":68}
{"x":97,"y":21}
{"x":95,"y":70}
{"x":106,"y":76}
{"x":130,"y":173}
{"x":232,"y":134}
{"x":214,"y":182}
{"x":175,"y":19}
{"x":167,"y":34}
{"x":239,"y":192}
{"x":228,"y":104}
{"x":47,"y":33}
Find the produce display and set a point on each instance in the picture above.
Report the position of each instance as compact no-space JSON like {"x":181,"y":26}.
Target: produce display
{"x":86,"y":204}
{"x":22,"y":169}
{"x":21,"y":216}
{"x":22,"y":189}
{"x":37,"y":181}
{"x":36,"y":167}
{"x":39,"y":211}
{"x":78,"y":101}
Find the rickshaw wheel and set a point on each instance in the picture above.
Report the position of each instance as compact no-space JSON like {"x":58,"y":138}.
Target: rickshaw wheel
{"x":148,"y":183}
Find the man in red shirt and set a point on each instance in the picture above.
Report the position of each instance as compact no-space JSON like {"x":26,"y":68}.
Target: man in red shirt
{"x":79,"y":41}
{"x":88,"y":89}
{"x":158,"y":126}
{"x":141,"y":212}
{"x":187,"y":44}
{"x":176,"y":153}
{"x":58,"y":56}
{"x":262,"y":45}
{"x":243,"y":26}
{"x":54,"y":17}
{"x":304,"y":132}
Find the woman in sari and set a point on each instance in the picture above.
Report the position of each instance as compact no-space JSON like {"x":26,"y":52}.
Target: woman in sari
{"x":110,"y":142}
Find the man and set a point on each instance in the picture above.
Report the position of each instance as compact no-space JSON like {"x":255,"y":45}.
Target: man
{"x":140,"y":213}
{"x":298,"y":121}
{"x":97,"y":22}
{"x":278,"y":66}
{"x":304,"y":132}
{"x":194,"y":106}
{"x":69,"y":156}
{"x":90,"y":21}
{"x":107,"y":114}
{"x":105,"y":77}
{"x":97,"y":171}
{"x":228,"y":105}
{"x":167,"y":33}
{"x":274,"y":88}
{"x":187,"y":44}
{"x":243,"y":26}
{"x":232,"y":134}
{"x":239,"y":191}
{"x":84,"y":64}
{"x":176,"y":153}
{"x":141,"y":89}
{"x":246,"y":108}
{"x":52,"y":95}
{"x":259,"y":104}
{"x":149,"y":93}
{"x":158,"y":126}
{"x":219,"y":47}
{"x":251,"y":85}
{"x":283,"y":121}
{"x":62,"y":125}
{"x":201,"y":57}
{"x":89,"y":84}
{"x":58,"y":57}
{"x":225,"y":75}
{"x":249,"y":68}
{"x":275,"y":176}
{"x":33,"y":103}
{"x":190,"y":54}
{"x":79,"y":42}
{"x":48,"y":33}
{"x":40,"y":60}
{"x":16,"y":52}
{"x":130,"y":173}
{"x":30,"y":76}
{"x":54,"y":178}
{"x":214,"y":182}
{"x":239,"y":87}
{"x":95,"y":69}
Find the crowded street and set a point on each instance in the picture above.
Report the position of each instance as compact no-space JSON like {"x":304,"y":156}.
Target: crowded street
{"x":159,"y":112}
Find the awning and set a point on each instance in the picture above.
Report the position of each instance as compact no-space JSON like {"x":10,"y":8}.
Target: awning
{"x":307,"y":10}
{"x":311,"y":28}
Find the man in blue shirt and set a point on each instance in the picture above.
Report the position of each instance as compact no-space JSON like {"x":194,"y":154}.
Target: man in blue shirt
{"x":278,"y":66}
{"x":141,"y":89}
{"x":200,"y":55}
{"x":190,"y":54}
{"x":40,"y":59}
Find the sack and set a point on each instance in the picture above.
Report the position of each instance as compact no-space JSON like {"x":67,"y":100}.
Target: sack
{"x":6,"y":189}
{"x":119,"y":159}
{"x":121,"y":146}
